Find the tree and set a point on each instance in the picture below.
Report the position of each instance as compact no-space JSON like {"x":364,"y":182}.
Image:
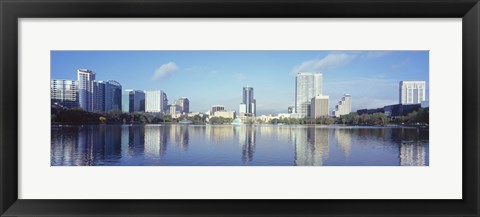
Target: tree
{"x":364,"y":119}
{"x":114,"y":116}
{"x":167,"y":118}
{"x":350,"y":119}
{"x":274,"y":121}
{"x":379,"y":119}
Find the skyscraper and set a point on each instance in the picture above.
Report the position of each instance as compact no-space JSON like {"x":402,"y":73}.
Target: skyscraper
{"x":64,"y":93}
{"x":184,"y":104}
{"x":319,"y":106}
{"x":113,"y":96}
{"x":412,"y":92}
{"x":133,"y":101}
{"x":108,"y":96}
{"x":155,"y":101}
{"x":99,"y":96}
{"x":86,"y":96}
{"x":307,"y":86}
{"x":249,"y":100}
{"x":344,"y":106}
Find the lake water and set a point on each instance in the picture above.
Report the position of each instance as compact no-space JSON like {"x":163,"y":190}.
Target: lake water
{"x":259,"y":145}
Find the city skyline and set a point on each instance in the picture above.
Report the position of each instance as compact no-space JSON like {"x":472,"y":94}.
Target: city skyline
{"x":216,"y":77}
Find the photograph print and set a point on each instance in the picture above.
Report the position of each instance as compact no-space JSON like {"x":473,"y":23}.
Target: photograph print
{"x":239,"y":108}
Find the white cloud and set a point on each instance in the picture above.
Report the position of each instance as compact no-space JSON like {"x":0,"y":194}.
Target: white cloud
{"x":165,"y":70}
{"x":330,"y":61}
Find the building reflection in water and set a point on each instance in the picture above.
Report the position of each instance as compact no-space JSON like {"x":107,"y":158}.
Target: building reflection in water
{"x":343,"y":138}
{"x":311,"y":146}
{"x":239,"y":145}
{"x":179,"y":136}
{"x":155,"y":141}
{"x":219,"y":134}
{"x":85,"y":145}
{"x":136,"y":140}
{"x":64,"y":145}
{"x":412,"y":154}
{"x":247,"y":141}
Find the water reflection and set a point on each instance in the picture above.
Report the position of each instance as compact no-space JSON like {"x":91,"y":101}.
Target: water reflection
{"x":247,"y":139}
{"x":311,"y":146}
{"x":412,"y":154}
{"x":343,"y":137}
{"x":156,"y":145}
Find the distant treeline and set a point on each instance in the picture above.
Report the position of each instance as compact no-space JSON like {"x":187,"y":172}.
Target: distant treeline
{"x":419,"y":117}
{"x":80,"y":116}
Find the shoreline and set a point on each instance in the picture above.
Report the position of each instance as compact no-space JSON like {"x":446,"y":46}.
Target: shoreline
{"x":240,"y":125}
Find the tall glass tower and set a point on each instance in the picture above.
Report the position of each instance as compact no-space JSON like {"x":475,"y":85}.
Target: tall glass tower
{"x":133,"y":101}
{"x":86,"y":86}
{"x":307,"y":86}
{"x":249,"y":100}
{"x":113,"y":96}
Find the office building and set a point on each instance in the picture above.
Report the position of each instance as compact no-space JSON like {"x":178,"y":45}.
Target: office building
{"x":370,"y":111}
{"x":184,"y":104}
{"x":64,"y":93}
{"x":175,"y":110}
{"x":133,"y":101}
{"x":319,"y":106}
{"x":400,"y":109}
{"x":249,"y":100}
{"x":86,"y":95}
{"x":225,"y":114}
{"x":156,"y":101}
{"x":108,"y":96}
{"x":344,"y":106}
{"x":99,"y":96}
{"x":291,"y":109}
{"x":307,"y":86}
{"x":216,"y":108}
{"x":113,"y":96}
{"x":242,"y":109}
{"x":412,"y":92}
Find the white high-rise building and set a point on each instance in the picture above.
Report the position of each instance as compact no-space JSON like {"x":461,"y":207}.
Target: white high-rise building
{"x":155,"y":101}
{"x":243,"y":109}
{"x":319,"y":106}
{"x":86,"y":86}
{"x":64,"y":93}
{"x":412,"y":92}
{"x":307,"y":86}
{"x":344,"y":106}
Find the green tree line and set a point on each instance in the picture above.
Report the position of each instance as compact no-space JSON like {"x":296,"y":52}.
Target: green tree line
{"x":418,"y":117}
{"x":79,"y":116}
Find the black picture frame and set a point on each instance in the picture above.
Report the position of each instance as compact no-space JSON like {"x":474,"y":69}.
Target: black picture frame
{"x":12,"y":10}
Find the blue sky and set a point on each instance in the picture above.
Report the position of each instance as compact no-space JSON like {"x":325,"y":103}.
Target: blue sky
{"x":217,"y":77}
